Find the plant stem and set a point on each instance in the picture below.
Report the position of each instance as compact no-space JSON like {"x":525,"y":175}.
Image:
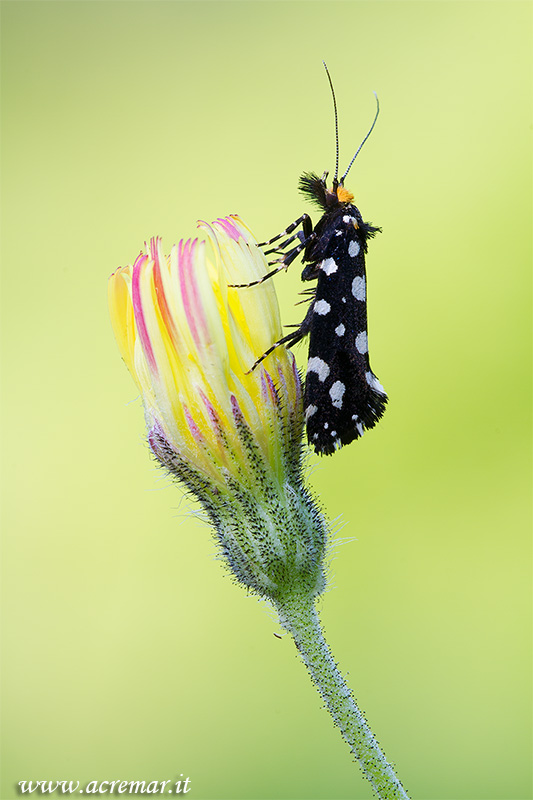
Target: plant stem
{"x":299,"y":617}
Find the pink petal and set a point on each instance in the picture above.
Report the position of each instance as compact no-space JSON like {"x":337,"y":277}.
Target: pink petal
{"x":140,"y":321}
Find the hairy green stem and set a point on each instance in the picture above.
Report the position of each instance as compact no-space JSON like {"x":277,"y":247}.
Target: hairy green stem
{"x":299,"y":617}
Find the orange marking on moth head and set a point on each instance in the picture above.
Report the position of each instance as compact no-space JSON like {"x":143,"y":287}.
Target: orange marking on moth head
{"x":343,"y":195}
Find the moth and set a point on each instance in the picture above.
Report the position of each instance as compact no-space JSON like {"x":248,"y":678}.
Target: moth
{"x":343,"y":396}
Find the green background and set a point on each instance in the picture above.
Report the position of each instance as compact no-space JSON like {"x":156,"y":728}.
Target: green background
{"x":128,"y":652}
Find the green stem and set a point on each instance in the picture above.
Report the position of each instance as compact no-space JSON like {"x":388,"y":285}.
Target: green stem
{"x":299,"y":617}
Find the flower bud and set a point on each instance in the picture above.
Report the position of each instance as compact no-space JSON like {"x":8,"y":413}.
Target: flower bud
{"x":232,"y":436}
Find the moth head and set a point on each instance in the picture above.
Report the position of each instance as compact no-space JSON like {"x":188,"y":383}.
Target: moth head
{"x":316,"y":190}
{"x":343,"y":195}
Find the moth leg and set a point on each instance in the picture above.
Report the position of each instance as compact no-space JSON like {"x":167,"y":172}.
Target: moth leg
{"x":305,"y":235}
{"x":281,"y":247}
{"x":284,"y":262}
{"x":308,"y":293}
{"x":304,"y":221}
{"x":289,"y":257}
{"x":261,"y":280}
{"x":289,"y":339}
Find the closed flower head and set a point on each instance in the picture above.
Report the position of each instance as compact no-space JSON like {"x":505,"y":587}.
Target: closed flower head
{"x":231,"y":435}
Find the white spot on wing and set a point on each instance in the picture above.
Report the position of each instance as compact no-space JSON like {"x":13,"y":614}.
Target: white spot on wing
{"x":322,"y":307}
{"x":353,"y":248}
{"x":336,"y":393}
{"x":374,"y":383}
{"x":359,"y":288}
{"x":340,"y":330}
{"x":316,"y":364}
{"x":347,"y":218}
{"x":361,"y":342}
{"x":309,"y":411}
{"x":359,"y":428}
{"x":339,"y":233}
{"x":329,"y":266}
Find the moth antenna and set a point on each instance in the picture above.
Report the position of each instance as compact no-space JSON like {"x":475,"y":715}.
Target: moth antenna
{"x":364,"y":140}
{"x":335,"y":180}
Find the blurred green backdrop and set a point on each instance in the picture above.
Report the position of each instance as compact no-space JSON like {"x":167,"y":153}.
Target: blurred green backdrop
{"x":128,"y":652}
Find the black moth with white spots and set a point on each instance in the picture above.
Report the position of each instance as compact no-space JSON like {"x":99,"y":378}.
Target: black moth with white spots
{"x":343,"y":397}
